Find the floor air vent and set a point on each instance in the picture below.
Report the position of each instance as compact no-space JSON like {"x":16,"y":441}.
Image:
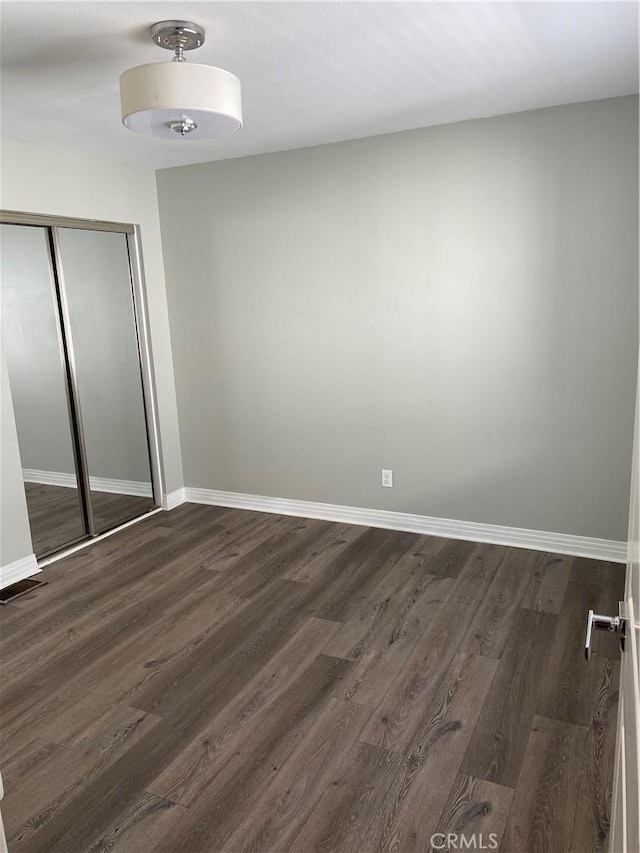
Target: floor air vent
{"x":10,"y":593}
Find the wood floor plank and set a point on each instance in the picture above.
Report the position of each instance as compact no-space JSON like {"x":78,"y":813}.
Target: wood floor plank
{"x":111,"y":733}
{"x":253,"y":566}
{"x":607,"y":576}
{"x":544,"y":804}
{"x":567,"y":693}
{"x":229,"y":657}
{"x":75,"y":586}
{"x":157,"y":649}
{"x":74,"y":671}
{"x":84,"y":593}
{"x":318,"y":540}
{"x":355,"y":572}
{"x":398,"y":590}
{"x":203,"y":758}
{"x":184,"y":517}
{"x":11,"y":746}
{"x":309,"y":569}
{"x":399,"y":720}
{"x":497,"y":748}
{"x":139,"y":675}
{"x":30,"y":785}
{"x":86,"y":631}
{"x":231,"y":794}
{"x":592,"y":824}
{"x":232,"y":545}
{"x":142,"y":827}
{"x":445,"y":557}
{"x":548,"y":583}
{"x":350,"y":802}
{"x":53,"y":777}
{"x":475,"y":810}
{"x":490,"y":627}
{"x":426,"y":557}
{"x":385,"y":645}
{"x":286,"y":804}
{"x":413,"y":803}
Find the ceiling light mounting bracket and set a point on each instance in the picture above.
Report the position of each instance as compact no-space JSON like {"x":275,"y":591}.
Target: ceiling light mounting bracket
{"x":178,"y":36}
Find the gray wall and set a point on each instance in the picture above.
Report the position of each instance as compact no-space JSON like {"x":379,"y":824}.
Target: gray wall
{"x":457,"y":303}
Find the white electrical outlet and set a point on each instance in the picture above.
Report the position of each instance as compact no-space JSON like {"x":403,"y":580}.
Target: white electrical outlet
{"x":387,"y":478}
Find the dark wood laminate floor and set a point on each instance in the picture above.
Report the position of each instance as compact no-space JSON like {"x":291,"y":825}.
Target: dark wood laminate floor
{"x":220,"y":680}
{"x":55,"y":513}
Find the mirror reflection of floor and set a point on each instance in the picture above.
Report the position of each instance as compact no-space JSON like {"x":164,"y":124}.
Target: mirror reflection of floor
{"x":55,"y":513}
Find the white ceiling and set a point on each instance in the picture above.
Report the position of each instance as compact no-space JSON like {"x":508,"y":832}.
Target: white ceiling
{"x":311,"y":72}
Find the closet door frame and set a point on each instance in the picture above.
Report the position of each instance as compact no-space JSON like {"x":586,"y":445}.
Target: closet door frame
{"x":71,"y":388}
{"x":143,"y":343}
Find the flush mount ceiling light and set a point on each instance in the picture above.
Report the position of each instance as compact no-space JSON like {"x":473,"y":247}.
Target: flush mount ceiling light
{"x":179,"y":99}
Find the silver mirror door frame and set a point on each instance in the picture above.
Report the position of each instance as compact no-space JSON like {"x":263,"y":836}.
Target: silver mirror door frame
{"x":145,"y":357}
{"x":145,"y":353}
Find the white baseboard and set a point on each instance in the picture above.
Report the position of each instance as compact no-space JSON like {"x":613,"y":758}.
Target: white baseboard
{"x":121,"y":487}
{"x":97,"y":484}
{"x":173,"y":499}
{"x":18,"y":570}
{"x":49,"y":478}
{"x":537,"y":540}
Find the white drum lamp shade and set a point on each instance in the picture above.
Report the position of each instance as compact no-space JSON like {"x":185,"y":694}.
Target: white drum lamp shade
{"x":180,"y":99}
{"x":177,"y":99}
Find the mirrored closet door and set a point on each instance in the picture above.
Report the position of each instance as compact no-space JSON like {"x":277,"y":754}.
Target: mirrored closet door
{"x":72,"y":336}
